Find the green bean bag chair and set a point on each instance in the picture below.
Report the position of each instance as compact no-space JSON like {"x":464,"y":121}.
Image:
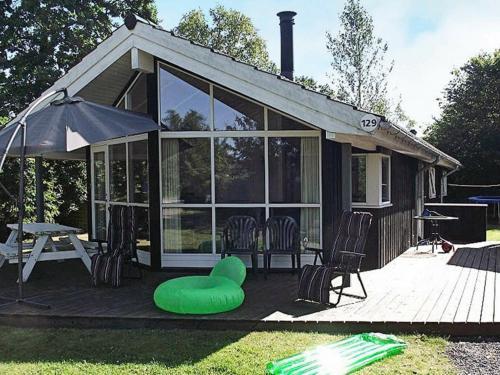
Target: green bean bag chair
{"x":219,"y":292}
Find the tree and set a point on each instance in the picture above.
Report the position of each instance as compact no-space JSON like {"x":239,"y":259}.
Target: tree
{"x":359,"y":70}
{"x":469,"y":125}
{"x":228,"y":31}
{"x":40,"y":40}
{"x":398,"y":116}
{"x":312,"y":84}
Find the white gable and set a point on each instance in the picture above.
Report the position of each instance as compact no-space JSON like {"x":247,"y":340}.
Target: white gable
{"x":102,"y":74}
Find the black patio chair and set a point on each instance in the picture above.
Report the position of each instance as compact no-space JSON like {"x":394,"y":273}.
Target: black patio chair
{"x":240,"y":236}
{"x":343,"y":259}
{"x":121,"y":240}
{"x":281,"y":237}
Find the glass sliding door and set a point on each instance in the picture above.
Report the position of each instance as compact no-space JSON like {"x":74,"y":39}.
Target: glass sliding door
{"x":99,"y":192}
{"x":225,"y":155}
{"x":239,"y":170}
{"x":121,"y":177}
{"x":118,"y":172}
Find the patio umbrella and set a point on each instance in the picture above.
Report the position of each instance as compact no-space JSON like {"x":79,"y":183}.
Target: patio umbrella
{"x":60,"y":131}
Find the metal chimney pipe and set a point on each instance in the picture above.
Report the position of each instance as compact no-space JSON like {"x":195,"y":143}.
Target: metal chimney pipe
{"x":286,"y":30}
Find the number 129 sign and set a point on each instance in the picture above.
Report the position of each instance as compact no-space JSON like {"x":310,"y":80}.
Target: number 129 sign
{"x":369,"y":123}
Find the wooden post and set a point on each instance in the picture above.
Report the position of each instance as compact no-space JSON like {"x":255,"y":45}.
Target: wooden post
{"x":40,"y":204}
{"x":154,"y":175}
{"x":346,"y":172}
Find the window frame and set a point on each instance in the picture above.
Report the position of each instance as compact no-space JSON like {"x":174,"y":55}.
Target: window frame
{"x":366,"y":178}
{"x":374,"y":181}
{"x":212,"y":134}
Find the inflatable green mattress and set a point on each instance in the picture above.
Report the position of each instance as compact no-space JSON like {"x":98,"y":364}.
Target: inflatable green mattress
{"x":342,"y":357}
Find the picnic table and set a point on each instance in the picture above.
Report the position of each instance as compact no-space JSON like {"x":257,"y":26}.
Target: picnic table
{"x":47,"y":245}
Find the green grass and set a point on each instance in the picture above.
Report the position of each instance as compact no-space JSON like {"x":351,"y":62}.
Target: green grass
{"x":493,"y":233}
{"x":70,"y":351}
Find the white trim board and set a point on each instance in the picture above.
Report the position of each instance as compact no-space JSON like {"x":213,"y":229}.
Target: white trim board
{"x":172,"y":260}
{"x":269,"y":89}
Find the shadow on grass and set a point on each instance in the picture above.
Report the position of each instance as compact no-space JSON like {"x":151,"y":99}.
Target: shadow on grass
{"x":172,"y":347}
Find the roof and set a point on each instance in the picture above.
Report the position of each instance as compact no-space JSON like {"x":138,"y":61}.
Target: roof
{"x":102,"y":75}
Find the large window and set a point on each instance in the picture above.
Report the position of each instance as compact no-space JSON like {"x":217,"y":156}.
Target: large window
{"x":137,"y":98}
{"x":185,"y":167}
{"x":232,"y":112}
{"x":239,"y":170}
{"x":118,"y":172}
{"x":138,"y":175}
{"x":240,"y":159}
{"x":294,"y":170}
{"x":184,"y":101}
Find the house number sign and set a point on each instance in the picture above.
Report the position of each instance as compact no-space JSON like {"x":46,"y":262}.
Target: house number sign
{"x":369,"y":123}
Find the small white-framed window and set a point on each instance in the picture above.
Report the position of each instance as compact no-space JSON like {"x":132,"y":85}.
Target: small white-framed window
{"x":371,"y":180}
{"x":358,"y":178}
{"x":385,"y":179}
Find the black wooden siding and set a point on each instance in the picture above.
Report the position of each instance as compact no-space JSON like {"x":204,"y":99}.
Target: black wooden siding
{"x":335,"y":197}
{"x":393,"y":229}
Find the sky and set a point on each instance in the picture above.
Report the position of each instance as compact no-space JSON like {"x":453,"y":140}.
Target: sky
{"x":427,"y":38}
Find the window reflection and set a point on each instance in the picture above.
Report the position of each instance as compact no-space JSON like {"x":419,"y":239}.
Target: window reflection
{"x":137,"y":97}
{"x":308,"y":219}
{"x":187,"y":230}
{"x":239,"y":170}
{"x":142,"y":228}
{"x":118,"y":172}
{"x":184,"y":101}
{"x":232,"y":112}
{"x":277,"y":121}
{"x":186,"y":170}
{"x":223,"y":214}
{"x":100,"y":221}
{"x":359,"y":179}
{"x":138,"y":171}
{"x":99,"y":176}
{"x":293,"y":170}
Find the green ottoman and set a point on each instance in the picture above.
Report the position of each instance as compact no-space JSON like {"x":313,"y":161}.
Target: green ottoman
{"x":219,"y":292}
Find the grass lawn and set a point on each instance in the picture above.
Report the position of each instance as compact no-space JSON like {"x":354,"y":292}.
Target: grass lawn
{"x":69,"y":351}
{"x":493,"y":234}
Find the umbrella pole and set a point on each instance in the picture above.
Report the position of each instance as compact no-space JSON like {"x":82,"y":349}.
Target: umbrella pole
{"x":20,"y":233}
{"x":20,"y":206}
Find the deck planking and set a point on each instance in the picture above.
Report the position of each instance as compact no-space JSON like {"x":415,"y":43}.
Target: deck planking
{"x":413,"y":292}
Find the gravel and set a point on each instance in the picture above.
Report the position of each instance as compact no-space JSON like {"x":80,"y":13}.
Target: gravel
{"x":475,"y":356}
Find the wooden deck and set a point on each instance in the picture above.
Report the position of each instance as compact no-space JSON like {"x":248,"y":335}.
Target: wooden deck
{"x":455,"y":293}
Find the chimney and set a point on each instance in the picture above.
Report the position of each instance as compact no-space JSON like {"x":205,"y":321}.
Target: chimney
{"x":286,"y":30}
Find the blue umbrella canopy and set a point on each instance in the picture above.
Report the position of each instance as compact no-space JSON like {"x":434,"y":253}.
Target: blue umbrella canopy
{"x":61,"y":129}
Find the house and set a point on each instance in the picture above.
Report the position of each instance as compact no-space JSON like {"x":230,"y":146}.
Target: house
{"x":238,"y":140}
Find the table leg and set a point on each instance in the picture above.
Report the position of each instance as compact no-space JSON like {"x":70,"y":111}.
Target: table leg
{"x":33,"y":258}
{"x":12,"y":239}
{"x":80,"y":250}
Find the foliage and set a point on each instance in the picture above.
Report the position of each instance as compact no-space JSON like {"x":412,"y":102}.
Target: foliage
{"x":469,"y":125}
{"x":397,"y":115}
{"x":312,"y":84}
{"x":40,"y":40}
{"x":80,"y":351}
{"x":360,"y":73}
{"x":228,"y":31}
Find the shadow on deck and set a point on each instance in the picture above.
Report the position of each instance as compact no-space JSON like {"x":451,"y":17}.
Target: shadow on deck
{"x":456,"y":294}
